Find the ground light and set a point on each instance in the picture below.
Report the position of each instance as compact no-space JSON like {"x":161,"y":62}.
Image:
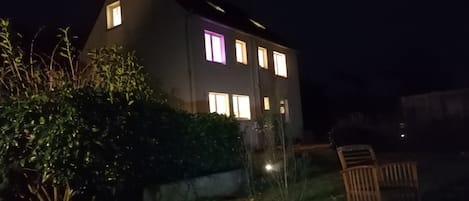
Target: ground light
{"x":269,"y":167}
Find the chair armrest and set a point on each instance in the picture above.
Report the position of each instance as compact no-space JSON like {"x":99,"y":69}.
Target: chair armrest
{"x":398,"y":174}
{"x":361,"y":182}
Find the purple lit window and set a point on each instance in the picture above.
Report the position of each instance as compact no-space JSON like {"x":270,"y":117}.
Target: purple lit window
{"x":214,"y":47}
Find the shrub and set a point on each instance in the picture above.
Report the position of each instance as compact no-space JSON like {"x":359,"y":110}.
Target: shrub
{"x":98,"y":127}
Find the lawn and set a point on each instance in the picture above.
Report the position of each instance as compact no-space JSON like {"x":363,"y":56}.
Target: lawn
{"x":320,"y":180}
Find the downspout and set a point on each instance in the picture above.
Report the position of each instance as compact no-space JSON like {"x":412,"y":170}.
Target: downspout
{"x":190,"y":69}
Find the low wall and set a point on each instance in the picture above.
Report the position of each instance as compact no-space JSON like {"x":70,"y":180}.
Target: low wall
{"x":216,"y":185}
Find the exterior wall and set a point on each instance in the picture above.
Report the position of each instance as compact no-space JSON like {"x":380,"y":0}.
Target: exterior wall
{"x":241,"y":79}
{"x":159,"y":42}
{"x":170,"y":42}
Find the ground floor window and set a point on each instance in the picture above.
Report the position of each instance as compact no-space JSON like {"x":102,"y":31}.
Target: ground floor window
{"x":219,"y":103}
{"x":241,"y":107}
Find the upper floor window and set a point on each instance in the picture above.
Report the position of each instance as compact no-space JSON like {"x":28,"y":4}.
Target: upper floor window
{"x":280,"y":64}
{"x":262,"y":57}
{"x":241,"y":107}
{"x":219,"y":103}
{"x":241,"y":52}
{"x":214,"y":47}
{"x":114,"y":14}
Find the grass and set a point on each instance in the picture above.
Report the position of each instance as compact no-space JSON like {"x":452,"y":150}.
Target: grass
{"x":320,"y":181}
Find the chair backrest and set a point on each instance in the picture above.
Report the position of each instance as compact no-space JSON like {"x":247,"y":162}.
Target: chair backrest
{"x":361,"y":183}
{"x":356,"y":155}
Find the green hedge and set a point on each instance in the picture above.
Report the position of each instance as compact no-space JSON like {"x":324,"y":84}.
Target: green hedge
{"x":97,"y":145}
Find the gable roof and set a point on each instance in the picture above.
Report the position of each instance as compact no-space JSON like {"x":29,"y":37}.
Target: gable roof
{"x":229,"y":15}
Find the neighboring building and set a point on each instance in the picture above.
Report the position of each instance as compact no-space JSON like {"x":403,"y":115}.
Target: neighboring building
{"x":207,"y":55}
{"x":437,"y":120}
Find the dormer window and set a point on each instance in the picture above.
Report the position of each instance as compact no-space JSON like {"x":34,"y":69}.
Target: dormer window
{"x":114,"y":15}
{"x":216,"y":7}
{"x":257,"y":24}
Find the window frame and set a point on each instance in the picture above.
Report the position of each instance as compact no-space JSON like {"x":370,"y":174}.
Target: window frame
{"x":244,"y":57}
{"x":210,"y":49}
{"x":277,"y":64}
{"x":266,"y":103}
{"x":237,"y":109}
{"x":262,"y":57}
{"x":110,"y":17}
{"x":226,"y":101}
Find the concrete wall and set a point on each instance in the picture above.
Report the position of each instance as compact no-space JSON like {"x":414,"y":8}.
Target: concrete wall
{"x":225,"y":184}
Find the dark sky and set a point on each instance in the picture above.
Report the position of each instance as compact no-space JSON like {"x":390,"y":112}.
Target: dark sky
{"x":355,"y":56}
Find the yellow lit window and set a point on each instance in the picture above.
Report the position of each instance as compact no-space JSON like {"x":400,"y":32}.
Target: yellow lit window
{"x":219,"y":103}
{"x":241,"y":53}
{"x":241,"y":107}
{"x":266,"y":103}
{"x":262,"y":57}
{"x":280,"y":64}
{"x":114,"y":14}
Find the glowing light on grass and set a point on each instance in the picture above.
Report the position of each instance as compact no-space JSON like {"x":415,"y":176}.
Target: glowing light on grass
{"x":269,"y":167}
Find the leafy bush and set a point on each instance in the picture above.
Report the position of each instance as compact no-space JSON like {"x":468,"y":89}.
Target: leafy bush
{"x":98,"y":127}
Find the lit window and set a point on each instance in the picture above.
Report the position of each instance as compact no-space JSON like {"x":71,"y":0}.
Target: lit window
{"x":214,"y":47}
{"x":266,"y":103}
{"x":262,"y":56}
{"x":241,"y":55}
{"x":241,"y":107}
{"x":280,"y":64}
{"x":114,"y":14}
{"x":219,"y":103}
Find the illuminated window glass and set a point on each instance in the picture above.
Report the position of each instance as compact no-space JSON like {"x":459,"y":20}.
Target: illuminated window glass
{"x":241,"y":53}
{"x":214,"y":47}
{"x":114,"y":14}
{"x":280,"y":64}
{"x":262,"y":57}
{"x":266,"y":103}
{"x":219,"y":103}
{"x":241,"y":107}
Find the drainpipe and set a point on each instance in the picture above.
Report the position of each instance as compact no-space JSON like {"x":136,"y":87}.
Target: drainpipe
{"x":190,"y":67}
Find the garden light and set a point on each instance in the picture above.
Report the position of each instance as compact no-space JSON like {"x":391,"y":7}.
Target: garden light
{"x":269,"y":167}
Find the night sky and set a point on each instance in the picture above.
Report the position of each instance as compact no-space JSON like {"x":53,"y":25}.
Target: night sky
{"x":354,"y":56}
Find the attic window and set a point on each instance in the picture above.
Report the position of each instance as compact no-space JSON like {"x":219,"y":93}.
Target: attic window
{"x":114,"y":14}
{"x":216,"y":7}
{"x":257,"y":24}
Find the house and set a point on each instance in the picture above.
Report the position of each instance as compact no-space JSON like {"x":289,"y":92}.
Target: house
{"x":437,"y":120}
{"x":208,"y":56}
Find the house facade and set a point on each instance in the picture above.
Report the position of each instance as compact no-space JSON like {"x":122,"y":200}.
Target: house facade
{"x":207,"y":56}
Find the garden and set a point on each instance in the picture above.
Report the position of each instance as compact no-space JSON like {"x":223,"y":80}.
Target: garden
{"x":95,"y":130}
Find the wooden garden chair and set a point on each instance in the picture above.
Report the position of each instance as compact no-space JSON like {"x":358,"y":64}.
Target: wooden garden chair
{"x":396,"y":180}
